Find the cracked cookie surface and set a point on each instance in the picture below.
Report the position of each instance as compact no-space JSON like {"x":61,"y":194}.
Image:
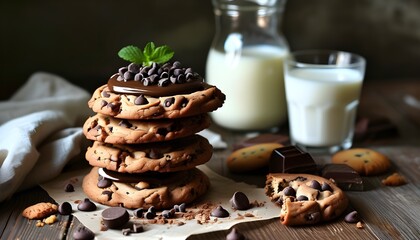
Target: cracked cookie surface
{"x":305,"y":199}
{"x":170,"y":156}
{"x":125,"y":106}
{"x":121,"y":131}
{"x":161,"y":190}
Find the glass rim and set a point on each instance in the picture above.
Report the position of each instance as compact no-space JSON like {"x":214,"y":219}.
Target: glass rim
{"x":359,"y":61}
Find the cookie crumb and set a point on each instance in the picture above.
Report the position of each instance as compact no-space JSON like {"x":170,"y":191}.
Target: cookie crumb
{"x":359,"y":225}
{"x":394,"y":180}
{"x":50,"y":220}
{"x":39,"y":223}
{"x":40,"y":210}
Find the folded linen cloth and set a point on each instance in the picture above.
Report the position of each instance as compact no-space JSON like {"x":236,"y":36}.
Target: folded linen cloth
{"x":40,"y":129}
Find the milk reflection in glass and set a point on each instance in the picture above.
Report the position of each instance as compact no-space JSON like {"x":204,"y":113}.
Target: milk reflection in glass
{"x":322,"y":105}
{"x":252,"y":80}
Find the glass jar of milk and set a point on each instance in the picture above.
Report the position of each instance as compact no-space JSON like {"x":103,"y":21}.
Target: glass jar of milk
{"x":246,"y":62}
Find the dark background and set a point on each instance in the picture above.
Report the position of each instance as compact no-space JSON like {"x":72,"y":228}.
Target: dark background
{"x":79,"y":41}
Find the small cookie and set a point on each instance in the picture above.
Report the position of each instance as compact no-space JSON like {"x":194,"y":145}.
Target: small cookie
{"x":120,"y":131}
{"x":160,"y":190}
{"x":251,"y":158}
{"x":170,"y":156}
{"x":40,"y":210}
{"x":364,"y":161}
{"x":304,"y":198}
{"x":177,"y":106}
{"x":394,"y":180}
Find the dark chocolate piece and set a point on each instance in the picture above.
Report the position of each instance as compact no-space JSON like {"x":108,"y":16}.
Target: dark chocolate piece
{"x":86,"y":205}
{"x":180,"y":208}
{"x":234,"y":234}
{"x":352,"y":217}
{"x":65,"y":208}
{"x":104,"y":183}
{"x":115,"y":217}
{"x":291,"y":159}
{"x":240,"y":201}
{"x":138,"y":212}
{"x":219,"y":212}
{"x":262,"y":138}
{"x":344,"y":176}
{"x":69,"y":188}
{"x":83,"y":233}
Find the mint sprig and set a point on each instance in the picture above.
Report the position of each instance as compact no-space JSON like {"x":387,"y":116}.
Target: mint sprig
{"x":149,"y":55}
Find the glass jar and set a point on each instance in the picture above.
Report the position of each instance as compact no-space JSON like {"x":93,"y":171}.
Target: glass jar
{"x":246,"y":62}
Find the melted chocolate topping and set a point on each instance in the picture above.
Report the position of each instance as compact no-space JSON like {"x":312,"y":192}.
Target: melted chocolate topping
{"x":137,"y":88}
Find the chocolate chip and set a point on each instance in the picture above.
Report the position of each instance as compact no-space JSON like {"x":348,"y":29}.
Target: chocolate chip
{"x":125,"y":123}
{"x":220,"y":212}
{"x":137,"y":228}
{"x":128,"y":75}
{"x":104,"y":103}
{"x":65,"y":208}
{"x":240,"y":201}
{"x":83,"y":233}
{"x":150,"y":215}
{"x":172,"y":79}
{"x":104,"y":183}
{"x":138,"y":212}
{"x":302,"y":198}
{"x":141,"y":100}
{"x":326,"y":187}
{"x":315,"y":185}
{"x":163,"y":82}
{"x":138,"y":77}
{"x":154,"y":154}
{"x":134,"y":68}
{"x":115,"y":217}
{"x":234,"y":234}
{"x":106,"y":94}
{"x":169,"y":101}
{"x":289,"y":191}
{"x":168,"y":213}
{"x":180,"y":208}
{"x":162,"y":131}
{"x":69,"y":187}
{"x":184,"y":102}
{"x":352,"y":217}
{"x":86,"y":205}
{"x":108,"y":193}
{"x":152,"y":209}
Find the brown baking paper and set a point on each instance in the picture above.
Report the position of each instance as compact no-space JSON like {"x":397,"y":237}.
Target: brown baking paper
{"x":220,"y":192}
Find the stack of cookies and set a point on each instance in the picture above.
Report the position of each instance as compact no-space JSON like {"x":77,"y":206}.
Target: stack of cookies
{"x":145,"y":147}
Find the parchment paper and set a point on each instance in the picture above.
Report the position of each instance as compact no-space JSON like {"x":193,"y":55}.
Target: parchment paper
{"x":220,"y":193}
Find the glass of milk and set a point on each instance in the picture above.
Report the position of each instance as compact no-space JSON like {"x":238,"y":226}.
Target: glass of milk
{"x":245,"y":62}
{"x":322,"y":92}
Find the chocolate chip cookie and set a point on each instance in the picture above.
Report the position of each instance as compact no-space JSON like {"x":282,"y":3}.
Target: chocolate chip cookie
{"x":160,"y":190}
{"x":305,"y":199}
{"x":176,"y":155}
{"x":107,"y":129}
{"x":364,"y":161}
{"x":129,"y":106}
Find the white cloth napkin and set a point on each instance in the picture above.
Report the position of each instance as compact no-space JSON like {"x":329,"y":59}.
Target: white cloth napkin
{"x":40,"y":131}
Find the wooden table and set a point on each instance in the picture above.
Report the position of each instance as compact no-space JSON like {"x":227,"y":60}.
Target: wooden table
{"x":387,"y":212}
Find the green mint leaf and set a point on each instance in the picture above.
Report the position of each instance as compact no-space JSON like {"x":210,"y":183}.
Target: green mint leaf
{"x":149,"y":55}
{"x":132,"y":54}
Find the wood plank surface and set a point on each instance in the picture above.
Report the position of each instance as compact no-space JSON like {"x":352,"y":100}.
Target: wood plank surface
{"x":387,"y":212}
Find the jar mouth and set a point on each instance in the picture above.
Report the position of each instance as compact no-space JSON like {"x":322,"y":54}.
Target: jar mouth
{"x":244,"y":5}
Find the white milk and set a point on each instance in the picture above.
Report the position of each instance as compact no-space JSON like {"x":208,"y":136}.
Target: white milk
{"x":322,"y":105}
{"x":253,"y":84}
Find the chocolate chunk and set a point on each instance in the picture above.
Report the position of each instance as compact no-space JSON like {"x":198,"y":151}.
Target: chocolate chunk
{"x":125,"y":123}
{"x":344,"y":176}
{"x":108,"y":193}
{"x":326,"y":187}
{"x":86,"y":205}
{"x":302,"y":198}
{"x":105,"y":94}
{"x":115,"y":217}
{"x":168,"y":213}
{"x":104,"y":183}
{"x":180,"y":208}
{"x":262,"y":138}
{"x":289,"y":191}
{"x":352,"y":217}
{"x":169,"y":101}
{"x":154,"y":154}
{"x":150,"y":215}
{"x":219,"y":212}
{"x":69,"y":187}
{"x":141,"y":100}
{"x":83,"y":233}
{"x":138,"y":212}
{"x":65,"y":208}
{"x":240,"y":201}
{"x":315,"y":185}
{"x":234,"y":234}
{"x":137,"y":228}
{"x":291,"y":159}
